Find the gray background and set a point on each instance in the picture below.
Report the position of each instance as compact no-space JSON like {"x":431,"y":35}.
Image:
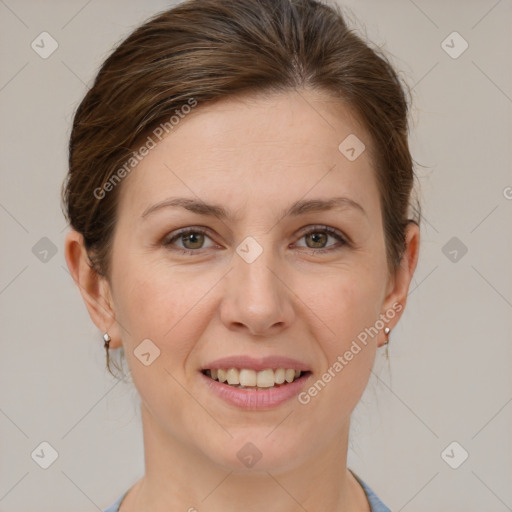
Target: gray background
{"x":448,"y":377}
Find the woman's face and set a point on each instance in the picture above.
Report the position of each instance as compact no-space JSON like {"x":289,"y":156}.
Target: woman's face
{"x":270,"y":271}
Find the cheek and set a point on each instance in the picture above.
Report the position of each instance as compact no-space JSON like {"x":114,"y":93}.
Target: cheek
{"x":348,"y":303}
{"x":348,"y":307}
{"x":162,"y":303}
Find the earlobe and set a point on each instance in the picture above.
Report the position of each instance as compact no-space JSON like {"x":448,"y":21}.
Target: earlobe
{"x":94,"y":289}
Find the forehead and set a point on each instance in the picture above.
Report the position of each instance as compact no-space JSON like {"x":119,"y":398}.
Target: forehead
{"x":257,"y":150}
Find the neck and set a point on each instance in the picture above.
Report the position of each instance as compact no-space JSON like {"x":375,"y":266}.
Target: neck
{"x":179,"y":477}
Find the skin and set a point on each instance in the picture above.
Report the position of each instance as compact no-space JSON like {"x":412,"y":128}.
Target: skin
{"x":255,"y":155}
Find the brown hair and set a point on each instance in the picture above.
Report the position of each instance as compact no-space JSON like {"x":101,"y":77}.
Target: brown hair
{"x":207,"y":50}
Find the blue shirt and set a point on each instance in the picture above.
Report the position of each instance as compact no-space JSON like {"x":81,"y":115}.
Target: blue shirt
{"x":375,"y":504}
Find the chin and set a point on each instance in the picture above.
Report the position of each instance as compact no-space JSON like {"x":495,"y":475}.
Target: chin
{"x":255,"y":451}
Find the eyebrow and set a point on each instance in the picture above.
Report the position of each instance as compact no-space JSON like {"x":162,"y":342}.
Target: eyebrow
{"x":215,"y":210}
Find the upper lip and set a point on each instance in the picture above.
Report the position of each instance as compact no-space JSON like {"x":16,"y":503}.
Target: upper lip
{"x":263,"y":363}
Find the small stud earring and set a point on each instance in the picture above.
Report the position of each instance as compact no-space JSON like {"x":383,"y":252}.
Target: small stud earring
{"x":387,"y":330}
{"x":107,"y":340}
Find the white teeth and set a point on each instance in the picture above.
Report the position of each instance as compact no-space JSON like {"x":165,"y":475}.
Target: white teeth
{"x":233,"y":376}
{"x":266,"y":379}
{"x":279,"y":375}
{"x":289,"y":375}
{"x":245,"y":377}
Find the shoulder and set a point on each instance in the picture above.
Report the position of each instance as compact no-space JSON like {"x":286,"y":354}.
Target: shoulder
{"x":376,"y":504}
{"x":115,"y":506}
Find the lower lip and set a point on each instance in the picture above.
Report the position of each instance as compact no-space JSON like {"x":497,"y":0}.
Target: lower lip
{"x":256,"y":399}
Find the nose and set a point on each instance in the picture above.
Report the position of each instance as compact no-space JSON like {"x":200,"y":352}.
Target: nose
{"x":257,"y":298}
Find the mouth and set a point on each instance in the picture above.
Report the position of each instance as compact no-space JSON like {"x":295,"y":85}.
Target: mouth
{"x":246,"y":378}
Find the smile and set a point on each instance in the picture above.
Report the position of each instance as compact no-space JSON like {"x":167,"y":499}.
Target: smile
{"x":254,"y":390}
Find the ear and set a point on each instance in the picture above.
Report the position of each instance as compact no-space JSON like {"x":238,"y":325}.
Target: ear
{"x":398,"y":286}
{"x":95,"y":290}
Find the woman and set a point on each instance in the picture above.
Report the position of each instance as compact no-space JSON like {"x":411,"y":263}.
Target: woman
{"x":239,"y":194}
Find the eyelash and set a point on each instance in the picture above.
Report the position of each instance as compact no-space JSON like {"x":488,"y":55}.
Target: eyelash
{"x":315,"y":229}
